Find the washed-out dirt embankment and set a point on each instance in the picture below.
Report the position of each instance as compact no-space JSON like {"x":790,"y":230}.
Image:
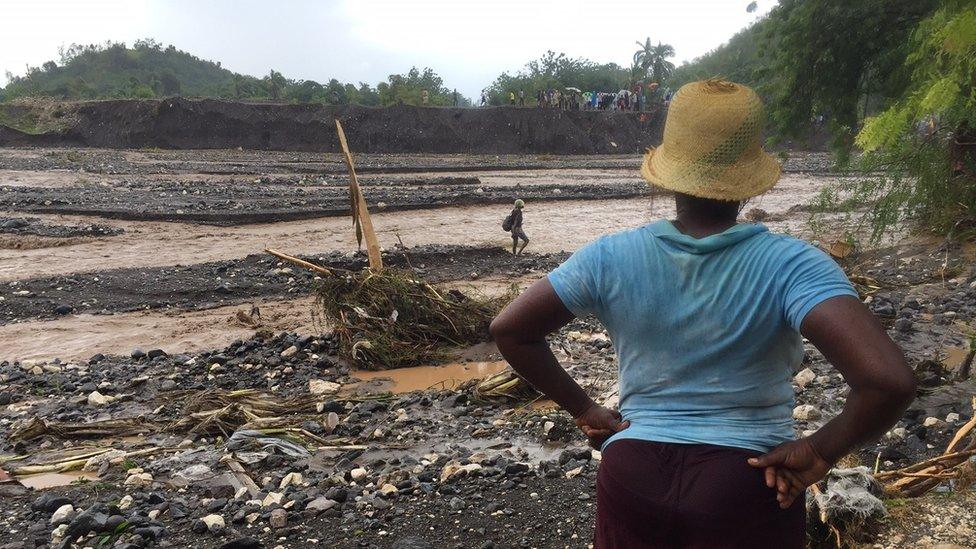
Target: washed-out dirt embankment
{"x":179,"y":123}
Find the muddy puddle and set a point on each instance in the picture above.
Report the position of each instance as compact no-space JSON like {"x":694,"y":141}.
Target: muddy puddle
{"x":420,"y":378}
{"x":44,"y":481}
{"x":955,"y":357}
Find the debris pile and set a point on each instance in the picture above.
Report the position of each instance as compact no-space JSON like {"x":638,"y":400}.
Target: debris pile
{"x":392,"y":319}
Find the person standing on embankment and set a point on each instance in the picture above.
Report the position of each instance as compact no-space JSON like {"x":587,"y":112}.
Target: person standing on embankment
{"x":706,"y":316}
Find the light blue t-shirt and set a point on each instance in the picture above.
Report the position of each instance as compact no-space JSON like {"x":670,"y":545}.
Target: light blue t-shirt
{"x":706,"y":330}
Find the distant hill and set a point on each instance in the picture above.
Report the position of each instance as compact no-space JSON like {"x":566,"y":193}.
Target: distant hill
{"x":115,"y":71}
{"x":148,"y":70}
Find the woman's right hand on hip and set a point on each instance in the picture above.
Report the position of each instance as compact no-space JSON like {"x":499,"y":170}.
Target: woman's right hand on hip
{"x":599,"y":423}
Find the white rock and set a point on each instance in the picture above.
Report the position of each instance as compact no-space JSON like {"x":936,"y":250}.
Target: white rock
{"x":215,"y":523}
{"x":272,"y":498}
{"x":154,"y":514}
{"x":573,"y":473}
{"x":952,"y":417}
{"x":291,"y":479}
{"x":98,"y":399}
{"x":331,"y":421}
{"x":139,"y":479}
{"x":63,"y":514}
{"x":455,"y":469}
{"x":357,"y":474}
{"x":547,"y":426}
{"x":804,"y":378}
{"x":806,"y":412}
{"x":933,"y":422}
{"x":321,"y":504}
{"x":290,"y":351}
{"x":58,"y":533}
{"x":240,"y":493}
{"x":196,"y":472}
{"x":898,"y":433}
{"x":388,"y":489}
{"x":322,"y":387}
{"x":125,"y":502}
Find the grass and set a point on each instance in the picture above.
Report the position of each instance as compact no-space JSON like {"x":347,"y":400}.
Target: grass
{"x":33,"y":117}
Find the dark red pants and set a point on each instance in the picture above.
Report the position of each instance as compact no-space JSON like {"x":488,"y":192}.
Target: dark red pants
{"x":651,"y":494}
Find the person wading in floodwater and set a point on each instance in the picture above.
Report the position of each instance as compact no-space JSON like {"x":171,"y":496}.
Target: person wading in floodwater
{"x":706,"y":316}
{"x":513,"y":224}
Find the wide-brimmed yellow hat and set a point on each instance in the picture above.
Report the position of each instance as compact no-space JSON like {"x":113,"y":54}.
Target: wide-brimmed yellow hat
{"x":712,"y":146}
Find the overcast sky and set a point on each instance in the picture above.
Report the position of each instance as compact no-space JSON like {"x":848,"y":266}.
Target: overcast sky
{"x":467,"y":42}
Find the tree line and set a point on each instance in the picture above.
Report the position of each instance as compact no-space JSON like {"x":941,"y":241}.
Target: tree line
{"x":148,"y":69}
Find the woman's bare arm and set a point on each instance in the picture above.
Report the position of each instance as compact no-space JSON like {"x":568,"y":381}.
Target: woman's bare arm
{"x":882,"y":384}
{"x":882,"y":387}
{"x":520,"y":332}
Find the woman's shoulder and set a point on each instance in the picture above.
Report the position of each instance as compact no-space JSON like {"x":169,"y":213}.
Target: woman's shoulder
{"x":788,"y":252}
{"x":781,"y":242}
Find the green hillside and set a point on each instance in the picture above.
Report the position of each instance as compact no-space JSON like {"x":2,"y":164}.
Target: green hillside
{"x":147,"y":70}
{"x":115,"y":71}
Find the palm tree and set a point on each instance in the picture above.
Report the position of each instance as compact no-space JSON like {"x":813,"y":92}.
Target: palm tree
{"x":661,"y":68}
{"x":654,"y":59}
{"x":642,"y":57}
{"x":276,"y":84}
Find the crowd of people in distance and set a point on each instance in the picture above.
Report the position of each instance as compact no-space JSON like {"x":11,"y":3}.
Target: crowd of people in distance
{"x":574,"y":99}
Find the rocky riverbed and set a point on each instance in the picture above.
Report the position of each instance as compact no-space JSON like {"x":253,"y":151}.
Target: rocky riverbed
{"x":274,"y":441}
{"x":164,"y":384}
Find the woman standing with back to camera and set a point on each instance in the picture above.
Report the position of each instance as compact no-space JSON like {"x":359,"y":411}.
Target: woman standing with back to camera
{"x":706,"y":316}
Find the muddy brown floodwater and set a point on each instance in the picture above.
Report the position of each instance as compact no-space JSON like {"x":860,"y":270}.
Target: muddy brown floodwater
{"x":553,"y":225}
{"x":78,"y":337}
{"x":419,"y":378}
{"x":44,"y":481}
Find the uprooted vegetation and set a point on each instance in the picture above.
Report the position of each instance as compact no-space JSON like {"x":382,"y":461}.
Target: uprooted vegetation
{"x":392,"y":319}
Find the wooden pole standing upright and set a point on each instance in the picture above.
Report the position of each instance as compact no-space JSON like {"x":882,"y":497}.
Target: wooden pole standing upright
{"x":360,"y":214}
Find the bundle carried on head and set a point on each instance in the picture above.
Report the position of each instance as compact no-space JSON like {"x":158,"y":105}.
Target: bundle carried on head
{"x":391,"y":319}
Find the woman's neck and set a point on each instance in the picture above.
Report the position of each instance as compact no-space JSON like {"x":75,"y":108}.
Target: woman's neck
{"x":701,"y":217}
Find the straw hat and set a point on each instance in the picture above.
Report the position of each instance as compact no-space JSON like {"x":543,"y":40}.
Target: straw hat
{"x":712,"y":148}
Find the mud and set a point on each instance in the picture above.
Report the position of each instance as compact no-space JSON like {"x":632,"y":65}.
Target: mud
{"x":36,"y":227}
{"x":165,"y":314}
{"x":552,"y":226}
{"x":422,"y":378}
{"x":179,"y":123}
{"x":221,"y":283}
{"x":53,"y":164}
{"x":79,"y":337}
{"x":46,"y":481}
{"x":242,"y":204}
